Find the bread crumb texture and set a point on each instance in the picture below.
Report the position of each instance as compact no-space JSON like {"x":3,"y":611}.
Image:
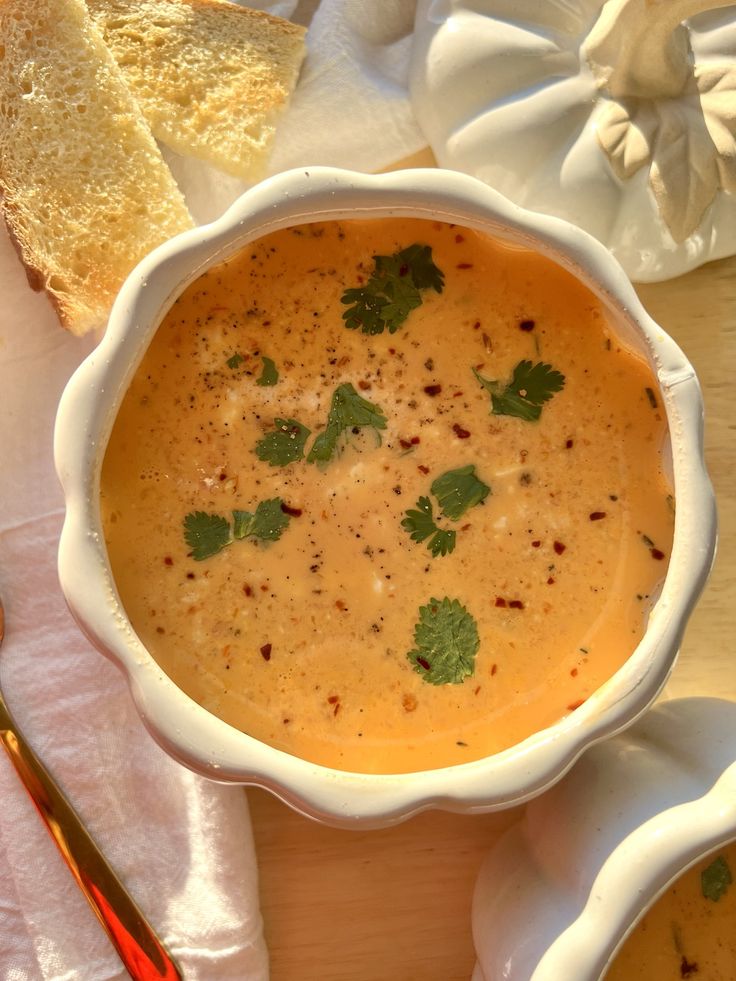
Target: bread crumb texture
{"x":86,"y":193}
{"x":211,"y":77}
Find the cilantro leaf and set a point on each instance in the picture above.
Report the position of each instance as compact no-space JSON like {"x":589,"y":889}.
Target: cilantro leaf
{"x":422,"y":269}
{"x":267,"y":523}
{"x":208,"y":534}
{"x":420,"y":523}
{"x":393,"y":290}
{"x":348,"y":410}
{"x":715,"y":880}
{"x":284,"y":445}
{"x":269,"y":375}
{"x":459,"y":490}
{"x":530,"y":387}
{"x":447,"y":641}
{"x":235,"y":361}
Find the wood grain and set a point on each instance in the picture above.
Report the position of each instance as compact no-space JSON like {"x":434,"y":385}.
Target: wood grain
{"x":394,"y":905}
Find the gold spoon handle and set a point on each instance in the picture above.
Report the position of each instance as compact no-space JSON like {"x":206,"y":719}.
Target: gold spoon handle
{"x":134,"y":939}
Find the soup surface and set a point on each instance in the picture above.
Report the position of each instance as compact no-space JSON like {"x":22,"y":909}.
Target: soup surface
{"x":690,"y":932}
{"x":388,"y":514}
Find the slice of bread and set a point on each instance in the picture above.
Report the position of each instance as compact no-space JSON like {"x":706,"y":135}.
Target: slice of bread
{"x":86,"y":193}
{"x":211,"y":77}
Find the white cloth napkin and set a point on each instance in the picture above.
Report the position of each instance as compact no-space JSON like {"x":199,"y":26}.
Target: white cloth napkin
{"x":182,"y":844}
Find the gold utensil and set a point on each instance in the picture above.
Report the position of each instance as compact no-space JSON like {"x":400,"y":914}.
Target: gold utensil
{"x":132,"y":936}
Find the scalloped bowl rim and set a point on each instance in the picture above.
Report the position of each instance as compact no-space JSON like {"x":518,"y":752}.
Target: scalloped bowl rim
{"x":207,"y":744}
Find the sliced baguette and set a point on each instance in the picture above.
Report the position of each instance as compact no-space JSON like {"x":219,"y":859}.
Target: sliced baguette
{"x":86,"y":193}
{"x":211,"y":77}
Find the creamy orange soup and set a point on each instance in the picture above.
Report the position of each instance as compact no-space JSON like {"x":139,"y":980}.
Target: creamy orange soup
{"x":437,"y":506}
{"x":690,"y":932}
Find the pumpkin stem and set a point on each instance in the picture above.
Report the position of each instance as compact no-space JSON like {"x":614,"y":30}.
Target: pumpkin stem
{"x":641,"y":48}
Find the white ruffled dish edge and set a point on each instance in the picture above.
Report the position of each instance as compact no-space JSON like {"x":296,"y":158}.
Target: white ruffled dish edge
{"x":560,"y":891}
{"x":208,"y":745}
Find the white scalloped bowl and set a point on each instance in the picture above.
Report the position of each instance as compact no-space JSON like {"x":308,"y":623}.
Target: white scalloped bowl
{"x":589,"y":858}
{"x":207,"y":744}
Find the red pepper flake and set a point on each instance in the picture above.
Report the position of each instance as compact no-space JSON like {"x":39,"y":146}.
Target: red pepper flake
{"x":160,"y":630}
{"x":266,"y":323}
{"x":168,"y":560}
{"x":457,"y":395}
{"x":264,"y":587}
{"x":266,"y":652}
{"x":652,"y":398}
{"x":464,"y":265}
{"x":516,"y":605}
{"x":536,"y":543}
{"x":568,"y":444}
{"x":292,"y":512}
{"x":465,"y":527}
{"x":574,"y":672}
{"x":392,"y":350}
{"x":688,"y":967}
{"x":459,"y":238}
{"x":333,"y":698}
{"x":247,"y":590}
{"x":223,"y":476}
{"x":433,"y":389}
{"x":423,"y":663}
{"x":415,"y":441}
{"x":494,"y":669}
{"x":190,"y":575}
{"x":559,"y":547}
{"x":423,"y":469}
{"x":409,"y":702}
{"x":364,"y":385}
{"x":575,"y":705}
{"x":657,"y":554}
{"x":476,"y":690}
{"x":500,"y":601}
{"x":597,"y":515}
{"x":550,"y":581}
{"x":340,"y":604}
{"x":526,"y":325}
{"x":460,"y":432}
{"x":476,"y":325}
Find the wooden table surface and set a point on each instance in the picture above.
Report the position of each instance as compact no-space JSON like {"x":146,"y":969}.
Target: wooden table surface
{"x":394,"y":905}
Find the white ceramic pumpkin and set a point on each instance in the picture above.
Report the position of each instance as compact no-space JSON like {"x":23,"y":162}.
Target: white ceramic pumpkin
{"x":614,"y":115}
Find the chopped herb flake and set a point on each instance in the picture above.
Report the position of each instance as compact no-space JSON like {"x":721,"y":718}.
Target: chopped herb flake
{"x":208,"y":534}
{"x":269,"y":375}
{"x":393,"y":290}
{"x":530,"y":387}
{"x":347,"y":411}
{"x":421,"y":525}
{"x":446,"y":639}
{"x":284,"y":445}
{"x":716,"y":879}
{"x":459,"y":490}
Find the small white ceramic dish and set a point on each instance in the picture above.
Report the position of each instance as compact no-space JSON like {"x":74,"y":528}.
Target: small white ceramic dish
{"x":208,"y":745}
{"x":591,"y":856}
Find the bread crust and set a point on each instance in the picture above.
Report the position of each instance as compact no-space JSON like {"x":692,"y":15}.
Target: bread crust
{"x":90,"y":196}
{"x":212,"y":78}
